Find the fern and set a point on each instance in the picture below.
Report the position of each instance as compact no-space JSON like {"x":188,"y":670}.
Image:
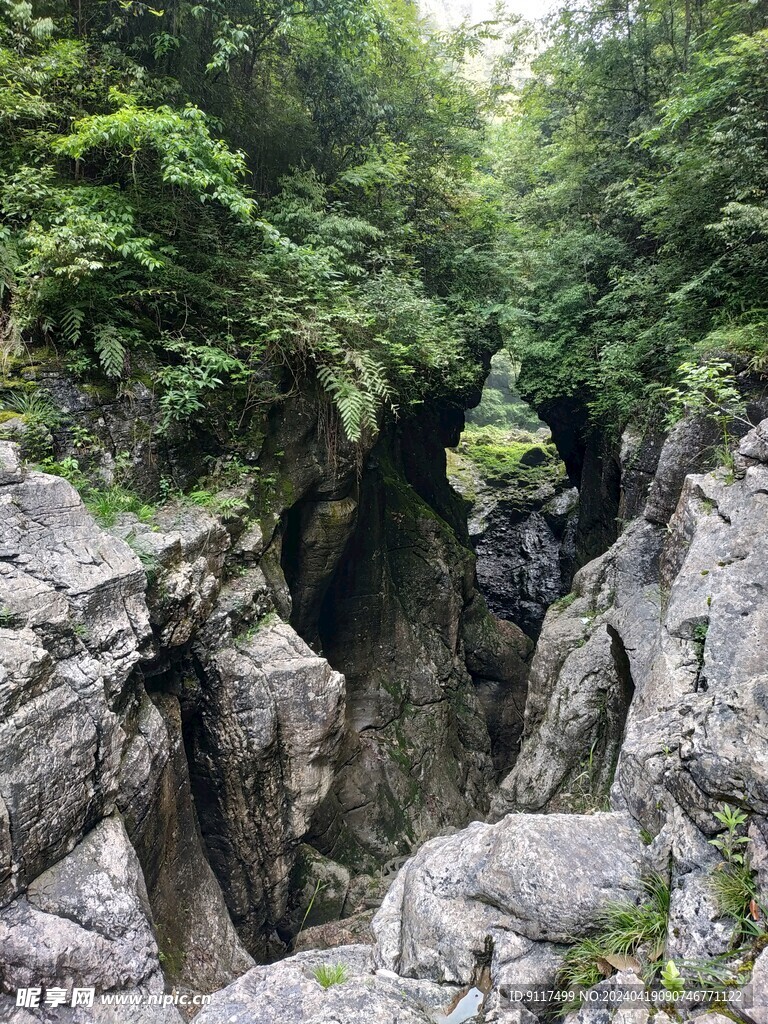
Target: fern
{"x":110,"y":349}
{"x":358,"y":388}
{"x":71,"y":324}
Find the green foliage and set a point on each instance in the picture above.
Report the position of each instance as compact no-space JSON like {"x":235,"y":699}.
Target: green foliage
{"x":635,"y":164}
{"x":35,"y":406}
{"x":708,"y":389}
{"x":227,"y":506}
{"x":500,"y":405}
{"x":511,"y":457}
{"x":131,"y":242}
{"x":626,"y":930}
{"x":734,"y":883}
{"x":328,"y":975}
{"x":671,"y":978}
{"x":177,"y":145}
{"x":730,"y":842}
{"x":105,"y":504}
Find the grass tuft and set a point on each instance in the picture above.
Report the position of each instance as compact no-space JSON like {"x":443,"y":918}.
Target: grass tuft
{"x":328,"y":975}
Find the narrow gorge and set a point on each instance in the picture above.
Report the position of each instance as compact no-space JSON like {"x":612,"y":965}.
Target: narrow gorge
{"x":383,"y":514}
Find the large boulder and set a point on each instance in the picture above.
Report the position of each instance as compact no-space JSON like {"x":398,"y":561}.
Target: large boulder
{"x":527,"y":880}
{"x":289,"y":993}
{"x":84,"y":922}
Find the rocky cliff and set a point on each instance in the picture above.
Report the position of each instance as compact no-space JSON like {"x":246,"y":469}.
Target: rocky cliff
{"x":199,"y":704}
{"x":216,"y":722}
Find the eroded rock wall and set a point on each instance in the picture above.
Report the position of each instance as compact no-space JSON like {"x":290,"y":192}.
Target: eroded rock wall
{"x":180,"y":678}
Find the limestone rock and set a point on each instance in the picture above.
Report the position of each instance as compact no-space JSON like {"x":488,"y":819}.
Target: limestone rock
{"x":200,"y":948}
{"x":319,"y":888}
{"x":689,"y":448}
{"x":416,"y":727}
{"x":287,"y":993}
{"x":184,"y":549}
{"x":757,"y":1007}
{"x":526,"y":878}
{"x":353,"y":930}
{"x":85,"y":921}
{"x":681,"y":612}
{"x":10,"y":466}
{"x":265,"y":736}
{"x":76,"y":626}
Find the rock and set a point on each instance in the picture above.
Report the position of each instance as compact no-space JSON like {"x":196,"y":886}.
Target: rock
{"x":200,"y":948}
{"x":76,"y":626}
{"x":309,"y":564}
{"x":264,"y":736}
{"x":582,"y":680}
{"x":287,"y":993}
{"x":319,"y":888}
{"x":639,"y":458}
{"x":688,"y":448}
{"x":184,"y":549}
{"x":754,"y":445}
{"x":756,"y":1009}
{"x":10,"y":465}
{"x":512,"y":1015}
{"x":417,"y":750}
{"x":85,"y":921}
{"x":526,"y":878}
{"x":672,"y":619}
{"x":354,"y":930}
{"x":498,"y":656}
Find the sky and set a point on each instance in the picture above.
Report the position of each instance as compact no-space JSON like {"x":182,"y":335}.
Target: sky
{"x":451,"y":12}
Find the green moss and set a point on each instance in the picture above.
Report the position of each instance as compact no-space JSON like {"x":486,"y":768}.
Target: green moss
{"x":511,"y":457}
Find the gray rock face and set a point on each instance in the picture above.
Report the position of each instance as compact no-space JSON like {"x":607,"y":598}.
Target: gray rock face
{"x":524,"y":537}
{"x":200,"y":947}
{"x":758,"y":992}
{"x":417,"y":753}
{"x":685,"y":608}
{"x":523,"y":883}
{"x":288,"y":993}
{"x":85,"y":922}
{"x":524,"y":558}
{"x":319,"y":889}
{"x":264,"y":744}
{"x":80,"y":738}
{"x":76,"y":622}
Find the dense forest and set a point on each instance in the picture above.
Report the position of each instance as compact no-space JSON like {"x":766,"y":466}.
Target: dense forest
{"x":232,"y":201}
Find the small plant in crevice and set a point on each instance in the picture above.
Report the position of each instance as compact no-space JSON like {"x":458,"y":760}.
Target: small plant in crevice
{"x":734,"y":882}
{"x":7,"y":619}
{"x":225,"y":505}
{"x":629,"y":935}
{"x":671,"y":978}
{"x":35,"y":407}
{"x":328,"y":975}
{"x":699,"y":636}
{"x":104,"y":503}
{"x":149,"y":560}
{"x":319,"y":886}
{"x":564,"y":602}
